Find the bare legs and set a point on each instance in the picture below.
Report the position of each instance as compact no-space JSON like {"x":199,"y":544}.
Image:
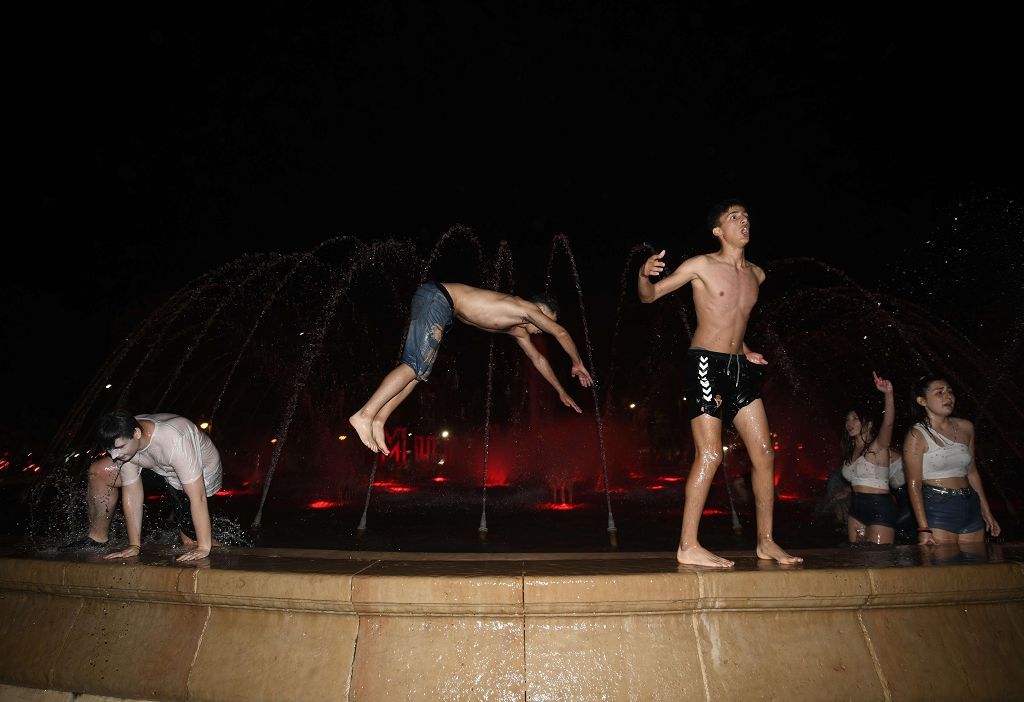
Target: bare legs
{"x":104,"y":484}
{"x":752,"y":426}
{"x":875,"y":534}
{"x":707,"y":444}
{"x":369,"y":421}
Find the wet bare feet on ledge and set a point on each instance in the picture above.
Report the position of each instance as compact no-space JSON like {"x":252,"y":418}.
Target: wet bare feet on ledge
{"x":700,"y":556}
{"x":771,"y":551}
{"x":362,"y":427}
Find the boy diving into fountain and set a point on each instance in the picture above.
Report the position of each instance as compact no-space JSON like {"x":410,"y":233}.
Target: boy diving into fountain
{"x":172,"y":447}
{"x":434,"y":306}
{"x":723,"y":376}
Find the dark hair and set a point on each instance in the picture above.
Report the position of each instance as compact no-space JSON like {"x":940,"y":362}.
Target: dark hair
{"x":548,"y":301}
{"x":113,"y":426}
{"x":849,"y":443}
{"x":920,"y":389}
{"x":719,"y":209}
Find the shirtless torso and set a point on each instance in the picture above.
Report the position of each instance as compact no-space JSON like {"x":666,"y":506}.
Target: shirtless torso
{"x":723,"y":377}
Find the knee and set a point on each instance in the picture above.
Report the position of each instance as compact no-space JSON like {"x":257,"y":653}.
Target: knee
{"x":99,"y":469}
{"x":710,"y":456}
{"x":763,"y":455}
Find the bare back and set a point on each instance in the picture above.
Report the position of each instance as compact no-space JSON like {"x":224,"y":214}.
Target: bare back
{"x":489,"y":310}
{"x":724,"y":293}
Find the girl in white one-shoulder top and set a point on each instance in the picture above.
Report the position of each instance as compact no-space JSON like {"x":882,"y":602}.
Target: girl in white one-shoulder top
{"x":942,"y":479}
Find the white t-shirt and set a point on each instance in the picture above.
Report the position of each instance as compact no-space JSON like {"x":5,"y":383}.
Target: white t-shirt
{"x":179,"y":452}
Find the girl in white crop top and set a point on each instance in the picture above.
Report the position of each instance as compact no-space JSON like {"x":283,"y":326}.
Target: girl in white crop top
{"x":866,"y":466}
{"x":938,"y":456}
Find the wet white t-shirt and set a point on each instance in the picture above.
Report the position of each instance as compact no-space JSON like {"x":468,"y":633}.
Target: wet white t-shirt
{"x":179,"y":452}
{"x":864,"y":472}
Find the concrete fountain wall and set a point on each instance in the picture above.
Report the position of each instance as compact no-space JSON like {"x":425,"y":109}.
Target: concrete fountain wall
{"x":310,"y":626}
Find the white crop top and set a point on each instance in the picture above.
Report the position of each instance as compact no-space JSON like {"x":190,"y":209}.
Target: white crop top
{"x":944,"y":458}
{"x":865,"y":473}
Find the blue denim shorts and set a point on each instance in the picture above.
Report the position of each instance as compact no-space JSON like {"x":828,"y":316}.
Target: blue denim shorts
{"x":432,"y":314}
{"x":960,"y":514}
{"x":873,"y":509}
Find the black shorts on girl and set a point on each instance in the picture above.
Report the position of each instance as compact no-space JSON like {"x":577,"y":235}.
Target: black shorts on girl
{"x":720,"y":384}
{"x":956,"y":510}
{"x":874,"y":509}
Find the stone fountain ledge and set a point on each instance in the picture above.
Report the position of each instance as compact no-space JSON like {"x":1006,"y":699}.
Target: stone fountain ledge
{"x":289,"y":624}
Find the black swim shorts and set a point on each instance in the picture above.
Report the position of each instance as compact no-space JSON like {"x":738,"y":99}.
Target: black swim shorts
{"x":720,"y":384}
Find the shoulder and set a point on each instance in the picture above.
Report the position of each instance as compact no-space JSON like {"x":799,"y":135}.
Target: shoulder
{"x":699,"y":260}
{"x":694,"y":265}
{"x":966,"y":426}
{"x":914,"y":441}
{"x":757,"y":271}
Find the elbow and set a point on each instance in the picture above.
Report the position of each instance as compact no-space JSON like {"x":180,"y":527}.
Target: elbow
{"x":647,"y":299}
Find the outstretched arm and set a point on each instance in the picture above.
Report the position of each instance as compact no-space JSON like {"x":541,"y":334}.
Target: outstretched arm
{"x":549,"y":326}
{"x":649,"y":292}
{"x":884,"y":438}
{"x":544,"y":368}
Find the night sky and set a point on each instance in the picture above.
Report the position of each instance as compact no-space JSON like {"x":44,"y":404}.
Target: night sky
{"x":154,"y":144}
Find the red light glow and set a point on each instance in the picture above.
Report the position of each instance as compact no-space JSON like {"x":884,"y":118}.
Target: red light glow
{"x":226,"y":492}
{"x":440,"y":479}
{"x":561,"y":507}
{"x":786,"y":497}
{"x":670,"y":478}
{"x":655,"y":487}
{"x":714,"y":513}
{"x":323,"y":504}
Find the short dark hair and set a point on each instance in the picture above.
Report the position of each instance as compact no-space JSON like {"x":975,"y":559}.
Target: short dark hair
{"x":113,"y":426}
{"x":548,"y":301}
{"x":719,"y":209}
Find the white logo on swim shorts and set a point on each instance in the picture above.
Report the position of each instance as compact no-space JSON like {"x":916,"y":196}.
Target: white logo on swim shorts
{"x":702,"y":375}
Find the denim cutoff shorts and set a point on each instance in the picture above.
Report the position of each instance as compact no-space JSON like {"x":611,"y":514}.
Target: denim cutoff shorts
{"x":432,"y":313}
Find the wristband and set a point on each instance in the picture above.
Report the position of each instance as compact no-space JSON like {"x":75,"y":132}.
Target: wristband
{"x":924,"y":529}
{"x":138,"y":546}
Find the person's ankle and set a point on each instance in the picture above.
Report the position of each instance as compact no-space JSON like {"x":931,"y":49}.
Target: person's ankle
{"x":100,"y":539}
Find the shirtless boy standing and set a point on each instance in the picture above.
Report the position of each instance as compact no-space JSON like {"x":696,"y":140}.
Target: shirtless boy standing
{"x":723,"y":376}
{"x":434,"y":306}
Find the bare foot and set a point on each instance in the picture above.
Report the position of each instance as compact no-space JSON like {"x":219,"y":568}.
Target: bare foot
{"x":362,"y":427}
{"x":700,"y":556}
{"x":771,"y":551}
{"x":377,"y":429}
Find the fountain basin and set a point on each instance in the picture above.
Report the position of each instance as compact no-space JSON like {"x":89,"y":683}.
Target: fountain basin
{"x":289,"y":624}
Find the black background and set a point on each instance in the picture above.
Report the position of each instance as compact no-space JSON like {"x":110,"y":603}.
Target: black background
{"x":152,"y":144}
